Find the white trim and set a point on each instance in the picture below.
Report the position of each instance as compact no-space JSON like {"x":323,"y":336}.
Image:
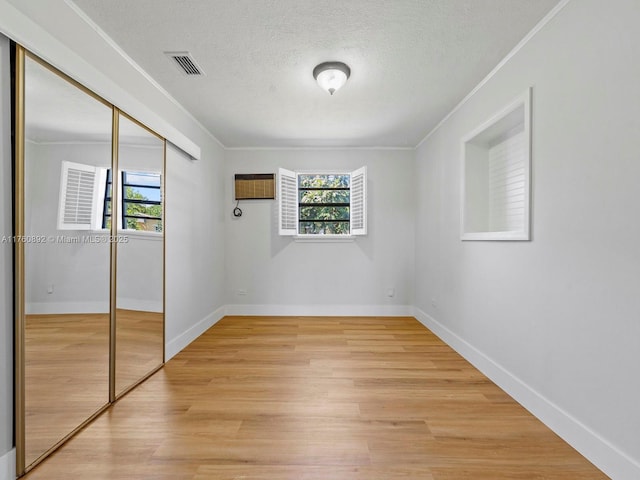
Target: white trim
{"x":466,"y":236}
{"x":8,"y":465}
{"x":322,"y":310}
{"x":175,"y":345}
{"x":139,"y":235}
{"x":595,"y":448}
{"x":62,"y":142}
{"x":323,"y":171}
{"x":541,"y":24}
{"x":328,"y":238}
{"x":140,"y":305}
{"x":89,"y":142}
{"x":325,"y":148}
{"x":57,"y":308}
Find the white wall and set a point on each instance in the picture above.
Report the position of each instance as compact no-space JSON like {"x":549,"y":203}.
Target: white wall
{"x":6,"y":270}
{"x":283,"y":276}
{"x":555,"y":321}
{"x":195,"y":282}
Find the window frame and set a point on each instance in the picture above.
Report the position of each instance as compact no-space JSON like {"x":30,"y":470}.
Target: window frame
{"x":99,"y":199}
{"x":289,"y":204}
{"x":301,"y":204}
{"x":123,"y":201}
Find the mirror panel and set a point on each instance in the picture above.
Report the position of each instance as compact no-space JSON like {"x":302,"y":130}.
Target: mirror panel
{"x":66,"y":258}
{"x":140,"y":254}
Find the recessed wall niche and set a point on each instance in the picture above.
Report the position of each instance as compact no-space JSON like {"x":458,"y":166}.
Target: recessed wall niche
{"x":496,"y":167}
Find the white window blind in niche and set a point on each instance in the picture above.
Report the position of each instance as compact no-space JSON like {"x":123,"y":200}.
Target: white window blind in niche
{"x":496,"y":165}
{"x":506,"y":184}
{"x":79,"y":202}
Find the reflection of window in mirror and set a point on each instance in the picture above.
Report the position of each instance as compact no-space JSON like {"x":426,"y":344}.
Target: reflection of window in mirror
{"x":80,"y":192}
{"x":141,"y":206}
{"x":86,"y":195}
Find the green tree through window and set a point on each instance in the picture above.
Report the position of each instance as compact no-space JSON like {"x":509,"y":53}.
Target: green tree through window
{"x":141,"y":203}
{"x":324,"y":203}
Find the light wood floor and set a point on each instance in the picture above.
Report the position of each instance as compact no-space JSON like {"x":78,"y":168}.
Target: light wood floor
{"x":273,"y":398}
{"x":139,"y":349}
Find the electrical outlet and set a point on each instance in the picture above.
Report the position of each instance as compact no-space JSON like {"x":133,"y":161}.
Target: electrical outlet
{"x":242,"y":291}
{"x":434,"y":303}
{"x":391,"y":292}
{"x":50,"y":289}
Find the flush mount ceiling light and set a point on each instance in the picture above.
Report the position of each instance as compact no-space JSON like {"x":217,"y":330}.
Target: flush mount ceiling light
{"x":331,"y":76}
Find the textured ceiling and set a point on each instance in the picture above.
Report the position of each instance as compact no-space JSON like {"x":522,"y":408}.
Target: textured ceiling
{"x":412,"y":61}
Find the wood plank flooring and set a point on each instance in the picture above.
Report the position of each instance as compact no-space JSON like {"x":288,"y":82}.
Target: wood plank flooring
{"x":330,"y":398}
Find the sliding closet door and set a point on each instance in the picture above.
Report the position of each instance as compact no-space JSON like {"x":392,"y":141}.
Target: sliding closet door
{"x":139,"y":318}
{"x":64,"y":320}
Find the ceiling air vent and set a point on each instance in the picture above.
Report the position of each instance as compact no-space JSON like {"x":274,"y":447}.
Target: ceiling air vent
{"x":185,"y":63}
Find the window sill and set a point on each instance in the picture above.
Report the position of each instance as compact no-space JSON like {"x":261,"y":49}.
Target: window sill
{"x":505,"y":235}
{"x":157,"y":236}
{"x":324,"y":238}
{"x":153,"y":236}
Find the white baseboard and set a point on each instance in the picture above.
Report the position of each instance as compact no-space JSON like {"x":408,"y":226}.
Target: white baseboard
{"x":175,"y":345}
{"x":592,"y":446}
{"x":321,"y":310}
{"x":140,"y":305}
{"x":53,"y":308}
{"x":8,"y":465}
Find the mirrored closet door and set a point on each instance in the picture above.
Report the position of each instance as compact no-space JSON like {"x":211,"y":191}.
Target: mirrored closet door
{"x":89,"y":209}
{"x":66,"y":258}
{"x":139,"y":319}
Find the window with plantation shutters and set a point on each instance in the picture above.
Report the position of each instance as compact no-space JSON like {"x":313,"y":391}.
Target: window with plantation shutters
{"x":288,"y":202}
{"x":322,"y":204}
{"x":358,"y":203}
{"x":79,"y":203}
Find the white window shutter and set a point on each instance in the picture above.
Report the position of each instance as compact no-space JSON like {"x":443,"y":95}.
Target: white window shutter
{"x":78,"y":202}
{"x":287,"y":202}
{"x":358,"y":210}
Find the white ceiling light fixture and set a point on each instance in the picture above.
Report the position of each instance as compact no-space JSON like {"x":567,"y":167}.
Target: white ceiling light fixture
{"x":331,"y":76}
